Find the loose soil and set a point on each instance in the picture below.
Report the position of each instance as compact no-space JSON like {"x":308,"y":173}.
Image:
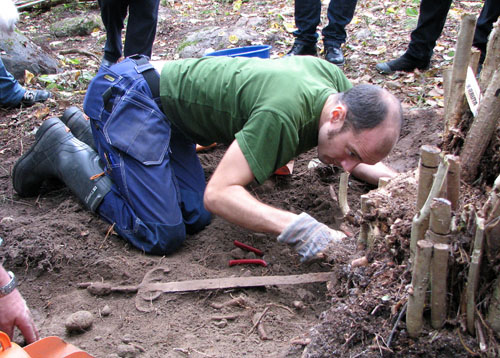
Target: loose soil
{"x":53,"y":244}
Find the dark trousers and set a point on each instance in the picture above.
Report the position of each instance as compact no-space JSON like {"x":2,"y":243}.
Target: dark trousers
{"x":431,"y":21}
{"x":489,"y":14}
{"x":141,"y":27}
{"x":308,"y":16}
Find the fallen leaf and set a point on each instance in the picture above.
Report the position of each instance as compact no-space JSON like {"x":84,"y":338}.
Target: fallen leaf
{"x":233,"y":39}
{"x":28,"y":77}
{"x":289,"y":26}
{"x":42,"y":112}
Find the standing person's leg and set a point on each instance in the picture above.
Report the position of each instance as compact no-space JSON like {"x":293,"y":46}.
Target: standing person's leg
{"x":11,"y":92}
{"x":340,"y":14}
{"x":113,"y":13}
{"x":430,"y":24}
{"x":307,"y":19}
{"x":141,"y":27}
{"x":489,"y":14}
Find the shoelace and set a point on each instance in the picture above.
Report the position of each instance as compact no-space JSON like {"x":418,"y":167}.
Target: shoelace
{"x":29,"y":96}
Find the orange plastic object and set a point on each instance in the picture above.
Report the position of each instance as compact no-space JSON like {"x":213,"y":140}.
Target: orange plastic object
{"x":201,"y":148}
{"x":49,"y":347}
{"x":285,"y":169}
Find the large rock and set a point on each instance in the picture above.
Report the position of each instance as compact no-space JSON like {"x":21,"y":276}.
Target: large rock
{"x":76,"y":26}
{"x":20,"y":53}
{"x":214,"y":38}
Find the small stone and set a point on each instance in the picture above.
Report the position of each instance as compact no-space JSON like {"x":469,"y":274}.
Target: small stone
{"x":7,"y":220}
{"x":79,"y":321}
{"x":221,"y":324}
{"x":237,"y":253}
{"x":127,"y":338}
{"x":251,"y":255}
{"x":246,"y":273}
{"x":363,"y":34}
{"x":393,"y":85}
{"x":106,"y":311}
{"x":127,"y":351}
{"x":298,"y":305}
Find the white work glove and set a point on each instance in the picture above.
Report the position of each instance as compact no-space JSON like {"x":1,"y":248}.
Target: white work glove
{"x":8,"y":16}
{"x":309,"y":237}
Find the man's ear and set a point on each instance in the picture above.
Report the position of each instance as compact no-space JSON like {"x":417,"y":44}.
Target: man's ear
{"x":338,"y":115}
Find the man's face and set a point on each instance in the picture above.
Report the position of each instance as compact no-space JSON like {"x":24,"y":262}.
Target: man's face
{"x":347,"y":149}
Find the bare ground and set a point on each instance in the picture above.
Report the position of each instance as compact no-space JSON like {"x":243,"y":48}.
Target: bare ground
{"x":53,"y":244}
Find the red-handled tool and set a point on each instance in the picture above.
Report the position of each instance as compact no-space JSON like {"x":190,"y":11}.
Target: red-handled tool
{"x":248,"y":248}
{"x":248,"y":261}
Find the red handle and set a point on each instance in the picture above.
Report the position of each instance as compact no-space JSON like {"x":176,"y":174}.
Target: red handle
{"x":248,"y":247}
{"x":248,"y":261}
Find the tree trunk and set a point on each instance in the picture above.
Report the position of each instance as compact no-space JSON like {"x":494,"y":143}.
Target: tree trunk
{"x":460,"y":65}
{"x":482,"y":129}
{"x":492,"y":60}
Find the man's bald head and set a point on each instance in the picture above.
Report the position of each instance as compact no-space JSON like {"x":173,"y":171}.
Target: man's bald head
{"x":370,"y":106}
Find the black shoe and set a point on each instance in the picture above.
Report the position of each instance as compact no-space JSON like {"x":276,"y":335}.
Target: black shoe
{"x":33,"y":96}
{"x":79,"y":125}
{"x":57,"y":154}
{"x":107,"y":63}
{"x":401,"y":64}
{"x":300,"y":49}
{"x":334,"y":55}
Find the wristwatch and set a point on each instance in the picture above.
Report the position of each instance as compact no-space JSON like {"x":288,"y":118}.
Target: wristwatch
{"x":10,"y":286}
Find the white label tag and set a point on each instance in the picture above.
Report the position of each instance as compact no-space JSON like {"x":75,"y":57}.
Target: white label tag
{"x":472,"y":91}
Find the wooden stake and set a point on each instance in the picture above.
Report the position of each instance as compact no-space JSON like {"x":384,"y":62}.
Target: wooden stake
{"x":440,"y":217}
{"x":482,"y":129}
{"x":383,"y":181}
{"x":491,"y":213}
{"x":447,"y":73}
{"x":473,"y":277}
{"x":439,"y":275}
{"x":344,"y":181}
{"x":429,"y":162}
{"x":419,"y":283}
{"x":453,"y":181}
{"x":460,"y":65}
{"x":419,"y":224}
{"x":475,"y":55}
{"x":365,"y":227}
{"x":437,"y":238}
{"x":492,"y":60}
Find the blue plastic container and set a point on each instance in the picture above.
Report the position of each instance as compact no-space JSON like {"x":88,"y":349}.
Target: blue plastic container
{"x":261,"y":51}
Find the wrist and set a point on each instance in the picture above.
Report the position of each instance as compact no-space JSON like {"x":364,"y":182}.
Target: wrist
{"x":9,"y":286}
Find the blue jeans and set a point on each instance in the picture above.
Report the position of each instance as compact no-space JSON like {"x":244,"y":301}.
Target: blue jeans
{"x":158,"y":181}
{"x":308,"y":17}
{"x":11,"y":92}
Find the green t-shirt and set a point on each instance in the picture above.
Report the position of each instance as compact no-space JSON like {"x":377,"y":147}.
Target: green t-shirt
{"x":271,"y":107}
